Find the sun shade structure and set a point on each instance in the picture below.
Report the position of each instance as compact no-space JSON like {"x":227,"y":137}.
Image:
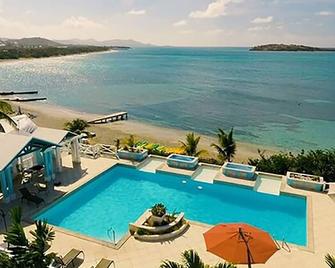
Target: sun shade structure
{"x":240,"y":243}
{"x":21,"y":139}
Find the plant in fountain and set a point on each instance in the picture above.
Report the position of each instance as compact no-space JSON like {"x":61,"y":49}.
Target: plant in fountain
{"x":158,"y":212}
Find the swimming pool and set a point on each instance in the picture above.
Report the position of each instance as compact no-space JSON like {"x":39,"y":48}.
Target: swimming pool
{"x":121,"y":194}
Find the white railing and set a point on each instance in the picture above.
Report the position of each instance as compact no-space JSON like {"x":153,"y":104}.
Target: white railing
{"x":91,"y":151}
{"x":107,"y":150}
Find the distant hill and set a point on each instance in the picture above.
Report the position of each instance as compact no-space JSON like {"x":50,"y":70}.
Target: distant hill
{"x":32,"y":42}
{"x":291,"y":47}
{"x":113,"y":42}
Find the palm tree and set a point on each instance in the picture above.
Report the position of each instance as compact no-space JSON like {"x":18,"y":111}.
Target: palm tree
{"x":76,"y":125}
{"x":191,"y":259}
{"x":24,"y":253}
{"x":191,"y":145}
{"x":5,"y":107}
{"x":226,"y":146}
{"x":330,"y":260}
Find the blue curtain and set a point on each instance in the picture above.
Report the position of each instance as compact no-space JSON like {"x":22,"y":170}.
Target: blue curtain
{"x":7,"y":186}
{"x":48,"y":165}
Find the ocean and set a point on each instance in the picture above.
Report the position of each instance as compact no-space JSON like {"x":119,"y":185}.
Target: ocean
{"x":281,"y":99}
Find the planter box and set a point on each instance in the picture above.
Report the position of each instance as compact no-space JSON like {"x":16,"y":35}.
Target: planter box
{"x":134,"y":156}
{"x":182,"y":161}
{"x":240,"y":171}
{"x":305,"y":181}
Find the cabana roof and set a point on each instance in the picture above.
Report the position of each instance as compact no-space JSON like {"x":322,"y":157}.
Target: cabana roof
{"x":13,"y":146}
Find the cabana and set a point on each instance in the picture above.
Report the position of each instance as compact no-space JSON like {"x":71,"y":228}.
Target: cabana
{"x":23,"y":145}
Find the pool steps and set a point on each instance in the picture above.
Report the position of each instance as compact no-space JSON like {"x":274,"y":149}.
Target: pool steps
{"x":268,"y":183}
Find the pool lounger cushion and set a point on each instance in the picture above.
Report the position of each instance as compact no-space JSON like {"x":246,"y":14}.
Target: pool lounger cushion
{"x":104,"y":263}
{"x":26,"y":194}
{"x":69,"y":257}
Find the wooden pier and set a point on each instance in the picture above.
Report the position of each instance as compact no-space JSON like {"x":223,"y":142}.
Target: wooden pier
{"x":24,"y":99}
{"x":110,"y":118}
{"x":7,"y":93}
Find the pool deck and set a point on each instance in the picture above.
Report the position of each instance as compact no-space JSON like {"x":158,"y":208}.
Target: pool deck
{"x":149,"y":255}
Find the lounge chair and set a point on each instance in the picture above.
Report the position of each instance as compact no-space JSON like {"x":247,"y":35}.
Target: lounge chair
{"x":104,"y":263}
{"x":27,"y":195}
{"x":69,"y":258}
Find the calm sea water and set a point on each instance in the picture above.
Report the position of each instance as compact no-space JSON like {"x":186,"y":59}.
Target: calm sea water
{"x":274,"y":98}
{"x":85,"y":211}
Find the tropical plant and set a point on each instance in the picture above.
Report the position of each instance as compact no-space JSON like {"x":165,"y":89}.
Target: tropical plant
{"x":23,"y":253}
{"x":5,"y":107}
{"x":76,"y":125}
{"x":191,"y":259}
{"x":316,"y":162}
{"x":190,"y":146}
{"x":158,"y":210}
{"x":130,"y":141}
{"x":330,"y":260}
{"x":226,"y":146}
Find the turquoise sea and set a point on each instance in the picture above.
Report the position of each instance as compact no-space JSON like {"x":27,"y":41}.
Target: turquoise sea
{"x":284,"y":99}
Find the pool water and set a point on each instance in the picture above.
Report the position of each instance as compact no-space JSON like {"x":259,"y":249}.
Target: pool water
{"x":120,"y":195}
{"x":182,"y":158}
{"x":240,"y":167}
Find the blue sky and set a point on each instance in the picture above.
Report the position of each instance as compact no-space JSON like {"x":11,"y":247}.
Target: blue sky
{"x":174,"y":22}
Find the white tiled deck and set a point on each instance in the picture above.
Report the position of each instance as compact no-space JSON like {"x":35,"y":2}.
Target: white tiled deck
{"x":149,"y":255}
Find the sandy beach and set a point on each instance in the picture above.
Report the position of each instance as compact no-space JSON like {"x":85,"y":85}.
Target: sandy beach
{"x":55,"y":117}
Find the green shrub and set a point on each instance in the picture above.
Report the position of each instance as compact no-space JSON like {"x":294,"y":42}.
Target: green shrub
{"x":158,"y":210}
{"x":315,"y":162}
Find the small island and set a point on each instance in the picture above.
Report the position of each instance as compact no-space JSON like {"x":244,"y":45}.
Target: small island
{"x":42,"y":48}
{"x":291,"y":47}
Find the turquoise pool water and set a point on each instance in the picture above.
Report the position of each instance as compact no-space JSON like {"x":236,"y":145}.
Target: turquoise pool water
{"x":121,"y":194}
{"x":240,"y":167}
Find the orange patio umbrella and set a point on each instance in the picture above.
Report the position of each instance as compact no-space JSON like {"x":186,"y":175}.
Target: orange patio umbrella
{"x":240,"y":243}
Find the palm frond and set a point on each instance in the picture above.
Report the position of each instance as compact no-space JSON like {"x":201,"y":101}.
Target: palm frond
{"x":191,"y":259}
{"x":330,"y":260}
{"x":170,"y":264}
{"x":224,"y":265}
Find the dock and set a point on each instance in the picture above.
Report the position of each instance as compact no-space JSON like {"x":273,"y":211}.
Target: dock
{"x":110,"y":118}
{"x":7,"y":93}
{"x":24,"y":99}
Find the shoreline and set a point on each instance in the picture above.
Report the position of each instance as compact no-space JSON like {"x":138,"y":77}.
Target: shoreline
{"x":59,"y":56}
{"x":52,"y":116}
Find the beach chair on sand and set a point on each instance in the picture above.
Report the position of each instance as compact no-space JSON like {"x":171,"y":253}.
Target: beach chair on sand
{"x":68,"y":259}
{"x":27,"y":195}
{"x":104,"y":263}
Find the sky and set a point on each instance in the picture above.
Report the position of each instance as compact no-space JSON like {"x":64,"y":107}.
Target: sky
{"x":174,"y":22}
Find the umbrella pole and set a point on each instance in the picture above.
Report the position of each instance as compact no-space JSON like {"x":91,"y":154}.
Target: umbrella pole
{"x":248,"y":250}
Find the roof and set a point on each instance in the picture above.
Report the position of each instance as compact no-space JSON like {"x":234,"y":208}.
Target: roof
{"x":50,"y":134}
{"x":11,"y":145}
{"x":26,"y":127}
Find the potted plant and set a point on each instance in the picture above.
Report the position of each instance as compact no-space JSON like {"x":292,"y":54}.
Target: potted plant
{"x":158,"y":213}
{"x":131,"y":151}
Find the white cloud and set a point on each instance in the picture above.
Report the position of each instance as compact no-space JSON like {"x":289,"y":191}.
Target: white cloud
{"x":215,"y":31}
{"x":137,"y":12}
{"x":259,"y":28}
{"x":180,"y":23}
{"x":1,"y":7}
{"x":262,"y":20}
{"x":187,"y":32}
{"x":80,"y":22}
{"x":214,"y":9}
{"x":325,"y":13}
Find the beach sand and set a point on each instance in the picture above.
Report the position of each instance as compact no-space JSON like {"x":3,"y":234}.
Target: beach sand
{"x":55,"y":117}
